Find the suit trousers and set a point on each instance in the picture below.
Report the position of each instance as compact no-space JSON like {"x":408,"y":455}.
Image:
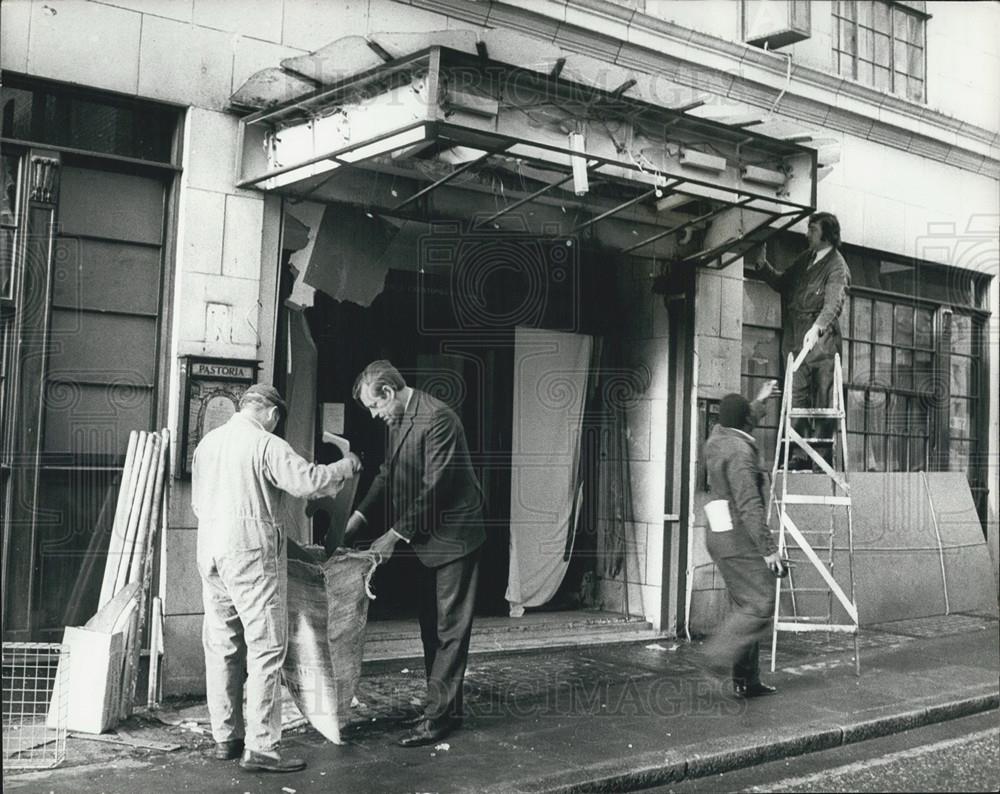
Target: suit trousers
{"x":750,"y":585}
{"x":245,"y":594}
{"x":447,"y":601}
{"x":812,"y":387}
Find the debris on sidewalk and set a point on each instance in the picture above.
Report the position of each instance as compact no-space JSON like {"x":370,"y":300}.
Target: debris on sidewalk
{"x":129,"y":740}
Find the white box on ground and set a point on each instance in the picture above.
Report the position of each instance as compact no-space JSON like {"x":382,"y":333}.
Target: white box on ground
{"x":94,"y":679}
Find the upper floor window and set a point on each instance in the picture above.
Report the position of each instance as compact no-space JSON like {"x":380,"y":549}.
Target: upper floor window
{"x":882,"y":44}
{"x":60,"y":115}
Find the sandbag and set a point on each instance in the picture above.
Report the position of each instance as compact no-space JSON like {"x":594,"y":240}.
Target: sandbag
{"x":327,"y":614}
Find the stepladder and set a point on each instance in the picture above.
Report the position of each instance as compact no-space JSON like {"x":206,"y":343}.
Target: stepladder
{"x":814,"y":518}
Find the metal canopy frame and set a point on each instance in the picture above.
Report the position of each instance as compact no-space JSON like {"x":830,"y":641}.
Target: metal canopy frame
{"x":429,"y":73}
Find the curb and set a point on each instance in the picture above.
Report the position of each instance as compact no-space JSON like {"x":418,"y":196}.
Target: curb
{"x":673,"y":766}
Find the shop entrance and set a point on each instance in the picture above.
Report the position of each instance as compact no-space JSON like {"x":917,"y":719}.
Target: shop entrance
{"x":422,"y":324}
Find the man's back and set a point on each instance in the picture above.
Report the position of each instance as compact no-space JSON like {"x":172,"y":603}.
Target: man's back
{"x":229,"y":487}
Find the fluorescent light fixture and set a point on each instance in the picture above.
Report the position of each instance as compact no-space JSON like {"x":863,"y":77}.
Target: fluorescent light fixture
{"x":384,"y":145}
{"x":580,"y":182}
{"x":707,"y":162}
{"x":363,"y":152}
{"x":298,"y":174}
{"x":762,"y":176}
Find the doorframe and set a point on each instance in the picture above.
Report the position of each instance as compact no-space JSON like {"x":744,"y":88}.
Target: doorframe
{"x":678,"y":302}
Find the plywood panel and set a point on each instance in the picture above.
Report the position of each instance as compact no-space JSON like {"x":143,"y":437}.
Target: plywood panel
{"x":96,"y":274}
{"x":116,"y":206}
{"x":103,"y":347}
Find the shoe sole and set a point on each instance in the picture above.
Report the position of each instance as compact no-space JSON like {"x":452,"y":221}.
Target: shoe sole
{"x":259,"y":768}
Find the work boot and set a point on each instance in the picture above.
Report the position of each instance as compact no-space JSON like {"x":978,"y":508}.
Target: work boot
{"x":228,"y":750}
{"x":270,"y":762}
{"x":744,"y":690}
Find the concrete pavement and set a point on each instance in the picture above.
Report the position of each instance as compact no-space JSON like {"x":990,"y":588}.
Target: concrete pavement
{"x":598,"y":718}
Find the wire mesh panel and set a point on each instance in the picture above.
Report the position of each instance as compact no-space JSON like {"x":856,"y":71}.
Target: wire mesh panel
{"x":35,"y":704}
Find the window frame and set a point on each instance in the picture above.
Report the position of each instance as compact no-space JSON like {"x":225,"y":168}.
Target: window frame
{"x":8,"y":301}
{"x":931,"y":374}
{"x":852,"y":50}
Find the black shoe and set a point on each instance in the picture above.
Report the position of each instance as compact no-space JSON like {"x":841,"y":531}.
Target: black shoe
{"x":742,"y":690}
{"x":428,"y":732}
{"x":228,"y":750}
{"x":412,"y":722}
{"x":261,"y":762}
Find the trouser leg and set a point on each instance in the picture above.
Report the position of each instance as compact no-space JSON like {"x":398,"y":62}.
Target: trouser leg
{"x":823,"y":398}
{"x":455,"y":586}
{"x":428,"y":614}
{"x":750,"y":586}
{"x":258,"y":582}
{"x":802,"y":397}
{"x":225,"y":657}
{"x":746,"y":668}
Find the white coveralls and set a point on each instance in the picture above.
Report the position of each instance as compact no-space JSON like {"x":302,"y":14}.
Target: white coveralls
{"x":239,"y":475}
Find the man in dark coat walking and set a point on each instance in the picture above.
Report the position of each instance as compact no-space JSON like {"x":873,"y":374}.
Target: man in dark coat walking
{"x":739,"y":541}
{"x":428,"y":496}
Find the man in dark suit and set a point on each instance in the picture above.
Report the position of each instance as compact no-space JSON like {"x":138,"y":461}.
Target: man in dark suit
{"x":813,"y":289}
{"x":428,"y":496}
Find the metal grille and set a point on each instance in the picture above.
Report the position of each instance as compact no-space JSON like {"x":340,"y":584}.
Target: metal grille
{"x":35,"y":704}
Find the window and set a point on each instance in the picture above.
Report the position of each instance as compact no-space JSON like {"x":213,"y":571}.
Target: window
{"x":9,"y":221}
{"x":913,"y":361}
{"x":964,"y":339}
{"x":762,"y":360}
{"x":881,"y":44}
{"x":889,"y":365}
{"x":61,"y":115}
{"x":85,"y":278}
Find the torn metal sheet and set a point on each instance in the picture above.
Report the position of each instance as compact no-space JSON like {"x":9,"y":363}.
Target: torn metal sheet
{"x":346,"y":258}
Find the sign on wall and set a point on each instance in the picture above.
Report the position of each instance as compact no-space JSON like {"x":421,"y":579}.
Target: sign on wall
{"x":212,"y":391}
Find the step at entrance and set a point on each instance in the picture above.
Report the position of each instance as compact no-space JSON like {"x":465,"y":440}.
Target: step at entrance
{"x":400,"y":639}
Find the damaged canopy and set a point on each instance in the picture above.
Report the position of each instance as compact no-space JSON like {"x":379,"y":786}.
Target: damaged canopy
{"x":443,"y":126}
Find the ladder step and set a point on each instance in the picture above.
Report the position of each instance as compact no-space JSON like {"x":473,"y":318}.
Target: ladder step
{"x":799,"y":625}
{"x":809,"y":499}
{"x":798,"y":590}
{"x":805,"y":412}
{"x":815,"y":440}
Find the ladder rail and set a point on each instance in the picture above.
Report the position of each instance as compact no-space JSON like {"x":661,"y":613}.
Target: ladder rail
{"x":781,"y":499}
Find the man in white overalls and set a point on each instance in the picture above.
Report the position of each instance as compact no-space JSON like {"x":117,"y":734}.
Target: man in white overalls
{"x":240,"y":475}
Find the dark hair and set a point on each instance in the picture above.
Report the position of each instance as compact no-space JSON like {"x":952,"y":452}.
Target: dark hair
{"x":378,"y":375}
{"x":829,"y":227}
{"x":734,"y":411}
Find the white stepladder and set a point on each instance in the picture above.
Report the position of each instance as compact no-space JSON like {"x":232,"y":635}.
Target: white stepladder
{"x":838,"y":499}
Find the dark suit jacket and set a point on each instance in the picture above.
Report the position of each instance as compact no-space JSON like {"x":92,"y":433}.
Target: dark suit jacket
{"x":427,"y":484}
{"x":812,"y":293}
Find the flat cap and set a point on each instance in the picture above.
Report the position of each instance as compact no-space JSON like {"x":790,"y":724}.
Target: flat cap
{"x":268,"y":393}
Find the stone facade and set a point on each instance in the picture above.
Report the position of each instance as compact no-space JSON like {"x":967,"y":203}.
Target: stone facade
{"x":924,"y":192}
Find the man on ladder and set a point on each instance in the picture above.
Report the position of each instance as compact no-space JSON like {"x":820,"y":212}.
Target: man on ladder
{"x":813,"y":291}
{"x":812,"y":422}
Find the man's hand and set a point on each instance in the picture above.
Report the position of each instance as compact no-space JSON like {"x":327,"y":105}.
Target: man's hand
{"x":776,"y":565}
{"x":811,"y":337}
{"x":760,"y":260}
{"x":355,"y":462}
{"x":768,"y":390}
{"x":385,"y":544}
{"x":354,"y":523}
